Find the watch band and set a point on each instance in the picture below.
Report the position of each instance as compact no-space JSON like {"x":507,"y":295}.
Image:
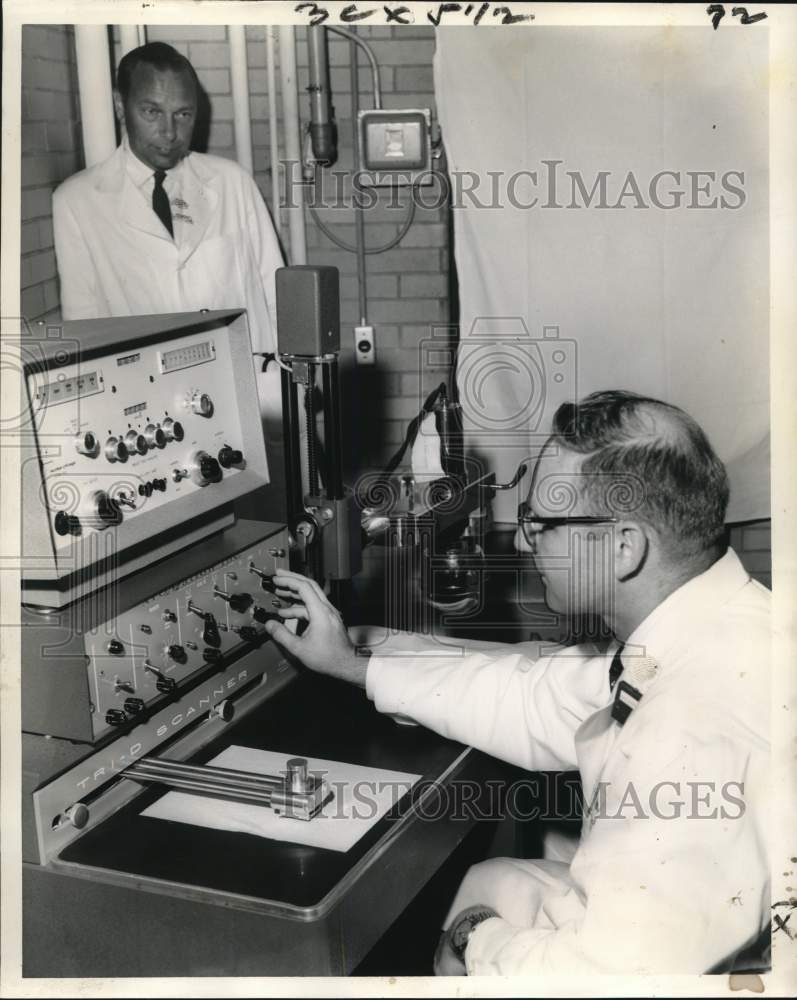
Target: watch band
{"x":460,"y":933}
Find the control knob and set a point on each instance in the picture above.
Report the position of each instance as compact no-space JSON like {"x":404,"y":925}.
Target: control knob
{"x":262,"y":616}
{"x":155,"y":436}
{"x":205,"y":469}
{"x":115,"y":450}
{"x":134,"y":706}
{"x":176,"y":653}
{"x":115,"y":717}
{"x":115,"y":648}
{"x":225,"y":710}
{"x":104,"y":510}
{"x":230,"y":456}
{"x":238,"y":602}
{"x":248,"y":633}
{"x":210,"y":633}
{"x":77,"y":815}
{"x":210,"y":655}
{"x":202,"y":404}
{"x":66,"y":524}
{"x":87,"y":444}
{"x":136,"y":443}
{"x":173,"y":429}
{"x":266,"y":579}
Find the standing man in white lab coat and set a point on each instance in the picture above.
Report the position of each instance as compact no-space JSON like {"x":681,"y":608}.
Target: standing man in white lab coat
{"x":668,"y":727}
{"x":157,"y":228}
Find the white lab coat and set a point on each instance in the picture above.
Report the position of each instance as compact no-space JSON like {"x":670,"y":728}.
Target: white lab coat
{"x":644,"y":893}
{"x":115,"y":258}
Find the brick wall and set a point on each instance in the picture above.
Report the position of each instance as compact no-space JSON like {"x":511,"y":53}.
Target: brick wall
{"x":51,"y":151}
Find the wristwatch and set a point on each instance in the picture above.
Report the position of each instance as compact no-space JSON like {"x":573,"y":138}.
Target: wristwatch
{"x":460,"y":933}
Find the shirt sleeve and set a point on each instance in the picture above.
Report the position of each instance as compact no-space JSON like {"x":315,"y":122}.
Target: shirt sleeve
{"x":80,"y":296}
{"x":672,"y":875}
{"x":517,"y":709}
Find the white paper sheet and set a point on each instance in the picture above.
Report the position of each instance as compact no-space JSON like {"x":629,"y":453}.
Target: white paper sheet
{"x":362,"y":795}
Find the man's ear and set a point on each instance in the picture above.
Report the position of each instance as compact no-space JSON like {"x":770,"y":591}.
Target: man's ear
{"x":119,"y":107}
{"x":631,"y":548}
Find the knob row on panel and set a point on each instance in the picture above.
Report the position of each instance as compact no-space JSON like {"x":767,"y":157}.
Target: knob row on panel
{"x":119,"y":449}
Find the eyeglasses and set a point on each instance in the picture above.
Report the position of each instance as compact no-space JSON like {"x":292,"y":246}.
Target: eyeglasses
{"x":526,"y":517}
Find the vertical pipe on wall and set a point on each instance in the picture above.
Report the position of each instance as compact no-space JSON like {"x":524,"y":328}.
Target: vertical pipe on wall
{"x":240,"y":96}
{"x":96,"y":101}
{"x":293,"y":167}
{"x":273,"y":137}
{"x":359,"y":221}
{"x":129,"y":38}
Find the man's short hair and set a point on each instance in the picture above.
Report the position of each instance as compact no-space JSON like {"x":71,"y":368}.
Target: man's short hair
{"x":648,"y":461}
{"x":160,"y":56}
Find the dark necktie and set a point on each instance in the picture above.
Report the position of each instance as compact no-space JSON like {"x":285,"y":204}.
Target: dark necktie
{"x":160,"y":201}
{"x":615,"y":669}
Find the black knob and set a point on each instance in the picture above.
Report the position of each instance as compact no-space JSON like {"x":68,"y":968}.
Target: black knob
{"x":115,"y":647}
{"x":177,"y":653}
{"x":261,"y":615}
{"x":115,"y":717}
{"x":66,"y":524}
{"x":134,"y":705}
{"x":159,"y":484}
{"x":108,"y":510}
{"x":240,"y":602}
{"x":249,"y":634}
{"x":209,"y":469}
{"x":165,"y":685}
{"x":211,"y":655}
{"x":210,"y":633}
{"x":230,"y":456}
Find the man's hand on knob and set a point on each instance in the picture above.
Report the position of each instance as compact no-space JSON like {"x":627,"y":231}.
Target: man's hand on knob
{"x":325,"y":645}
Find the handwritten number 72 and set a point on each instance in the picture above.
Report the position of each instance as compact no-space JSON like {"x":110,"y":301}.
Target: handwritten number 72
{"x":717,"y":11}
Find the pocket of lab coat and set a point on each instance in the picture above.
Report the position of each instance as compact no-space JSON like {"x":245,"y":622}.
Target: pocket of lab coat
{"x":215,"y":273}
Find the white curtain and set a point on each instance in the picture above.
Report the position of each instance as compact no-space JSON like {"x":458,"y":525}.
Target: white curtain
{"x":556,"y":302}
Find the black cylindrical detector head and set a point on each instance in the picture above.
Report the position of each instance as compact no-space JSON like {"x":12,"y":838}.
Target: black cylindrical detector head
{"x":308,"y":310}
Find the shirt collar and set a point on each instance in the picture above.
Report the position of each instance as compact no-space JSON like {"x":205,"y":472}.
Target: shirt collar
{"x":138,"y":171}
{"x":692,"y":604}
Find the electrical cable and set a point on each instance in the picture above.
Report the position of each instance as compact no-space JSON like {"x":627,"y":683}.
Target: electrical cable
{"x":368,"y":250}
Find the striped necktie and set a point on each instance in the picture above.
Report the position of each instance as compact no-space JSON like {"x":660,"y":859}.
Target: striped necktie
{"x":160,"y":201}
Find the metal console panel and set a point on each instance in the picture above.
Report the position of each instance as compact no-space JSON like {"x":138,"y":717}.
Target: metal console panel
{"x":136,"y":426}
{"x":107,"y":661}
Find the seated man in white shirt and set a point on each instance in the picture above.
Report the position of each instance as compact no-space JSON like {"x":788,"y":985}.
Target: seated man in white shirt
{"x":669,"y":728}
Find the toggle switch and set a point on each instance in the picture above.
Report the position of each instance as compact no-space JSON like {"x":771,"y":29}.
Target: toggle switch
{"x":266,"y":579}
{"x":210,"y":633}
{"x":238,"y":602}
{"x":164,"y":684}
{"x":125,"y":500}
